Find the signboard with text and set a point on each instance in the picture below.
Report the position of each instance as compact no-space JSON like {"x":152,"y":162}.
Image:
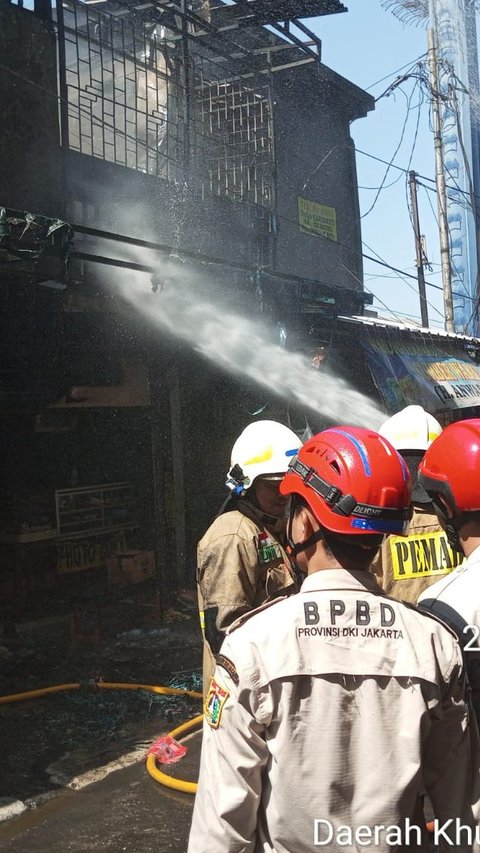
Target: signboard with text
{"x":77,"y":555}
{"x":434,"y":377}
{"x":315,"y":218}
{"x":426,"y":554}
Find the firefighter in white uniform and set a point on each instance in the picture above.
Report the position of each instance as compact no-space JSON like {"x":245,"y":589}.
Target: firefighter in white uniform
{"x":450,"y":472}
{"x":332,"y":711}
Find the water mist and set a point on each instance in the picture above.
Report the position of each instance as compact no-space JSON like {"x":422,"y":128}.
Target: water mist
{"x":179,"y":304}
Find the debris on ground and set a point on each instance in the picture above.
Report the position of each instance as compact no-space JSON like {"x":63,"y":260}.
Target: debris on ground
{"x":47,"y":741}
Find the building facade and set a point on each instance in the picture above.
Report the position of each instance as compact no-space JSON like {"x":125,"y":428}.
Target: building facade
{"x":140,"y":138}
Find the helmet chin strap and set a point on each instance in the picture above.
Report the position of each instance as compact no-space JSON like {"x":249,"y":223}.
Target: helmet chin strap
{"x":452,"y":528}
{"x":298,"y":547}
{"x":453,"y":537}
{"x":263,"y":517}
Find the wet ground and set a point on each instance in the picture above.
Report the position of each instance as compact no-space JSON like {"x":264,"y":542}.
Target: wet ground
{"x":52,"y":743}
{"x":127,"y":811}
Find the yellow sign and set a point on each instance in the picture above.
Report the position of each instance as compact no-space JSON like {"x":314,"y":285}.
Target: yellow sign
{"x":317,"y":218}
{"x":422,"y":555}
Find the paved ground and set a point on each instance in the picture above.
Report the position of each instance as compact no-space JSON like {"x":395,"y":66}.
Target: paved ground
{"x":52,"y":747}
{"x":127,"y":811}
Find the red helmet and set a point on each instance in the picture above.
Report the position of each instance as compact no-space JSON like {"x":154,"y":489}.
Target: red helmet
{"x":353,"y":480}
{"x":451,"y":467}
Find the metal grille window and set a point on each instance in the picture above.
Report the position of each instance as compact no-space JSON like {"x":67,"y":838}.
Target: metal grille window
{"x":122,"y":100}
{"x":153,"y":97}
{"x":234,"y":128}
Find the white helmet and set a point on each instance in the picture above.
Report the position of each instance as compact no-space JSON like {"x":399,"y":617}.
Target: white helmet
{"x":263,"y":449}
{"x":411,"y":429}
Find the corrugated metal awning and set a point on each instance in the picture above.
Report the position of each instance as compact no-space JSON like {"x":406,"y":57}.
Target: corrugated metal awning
{"x":380,"y":323}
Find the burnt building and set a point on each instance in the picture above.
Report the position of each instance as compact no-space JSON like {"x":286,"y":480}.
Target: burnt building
{"x":140,"y":138}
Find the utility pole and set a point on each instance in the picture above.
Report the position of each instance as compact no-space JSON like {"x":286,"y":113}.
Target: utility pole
{"x":440,"y":182}
{"x":412,"y":183}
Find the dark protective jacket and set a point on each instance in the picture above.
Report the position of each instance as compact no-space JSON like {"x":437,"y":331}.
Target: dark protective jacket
{"x":240,"y":564}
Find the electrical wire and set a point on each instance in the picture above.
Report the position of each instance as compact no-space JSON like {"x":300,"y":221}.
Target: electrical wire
{"x":280,"y":216}
{"x":433,"y":307}
{"x":395,"y":85}
{"x":409,"y":316}
{"x":435,"y":216}
{"x":383,"y":186}
{"x":466,"y":205}
{"x":387,"y":76}
{"x":397,"y":149}
{"x":372,"y":275}
{"x":417,"y":126}
{"x":434,"y":191}
{"x":402,"y":169}
{"x":390,"y":310}
{"x":416,"y":318}
{"x":407,"y":176}
{"x":170,"y":121}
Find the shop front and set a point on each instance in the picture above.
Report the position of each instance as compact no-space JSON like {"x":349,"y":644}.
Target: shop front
{"x":409,"y":365}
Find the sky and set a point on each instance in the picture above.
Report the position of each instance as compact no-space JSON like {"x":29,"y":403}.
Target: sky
{"x":365,"y":45}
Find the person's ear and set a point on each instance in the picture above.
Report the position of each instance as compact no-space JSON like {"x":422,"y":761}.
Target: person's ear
{"x":306,"y":527}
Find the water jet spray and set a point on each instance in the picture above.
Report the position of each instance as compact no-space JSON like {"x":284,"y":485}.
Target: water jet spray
{"x":182,"y":305}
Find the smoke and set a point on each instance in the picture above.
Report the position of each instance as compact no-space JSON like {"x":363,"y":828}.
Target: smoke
{"x":185,"y":306}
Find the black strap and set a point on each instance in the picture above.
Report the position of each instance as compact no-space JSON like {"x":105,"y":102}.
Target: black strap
{"x":213,"y":635}
{"x":316,"y":536}
{"x":344,"y":504}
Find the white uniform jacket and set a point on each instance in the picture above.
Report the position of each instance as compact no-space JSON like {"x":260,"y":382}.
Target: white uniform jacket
{"x":337,"y":707}
{"x":456,"y":600}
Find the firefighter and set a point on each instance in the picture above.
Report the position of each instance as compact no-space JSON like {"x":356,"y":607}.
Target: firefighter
{"x":241,"y":561}
{"x":331,"y":709}
{"x":450,"y":473}
{"x":404,"y":567}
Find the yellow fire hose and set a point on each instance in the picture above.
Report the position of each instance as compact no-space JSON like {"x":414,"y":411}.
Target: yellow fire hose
{"x":155,"y":773}
{"x":164,"y":778}
{"x":151,"y":764}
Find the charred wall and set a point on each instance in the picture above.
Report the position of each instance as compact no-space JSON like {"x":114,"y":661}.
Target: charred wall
{"x":176,"y":448}
{"x":315,"y":161}
{"x":30,"y":154}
